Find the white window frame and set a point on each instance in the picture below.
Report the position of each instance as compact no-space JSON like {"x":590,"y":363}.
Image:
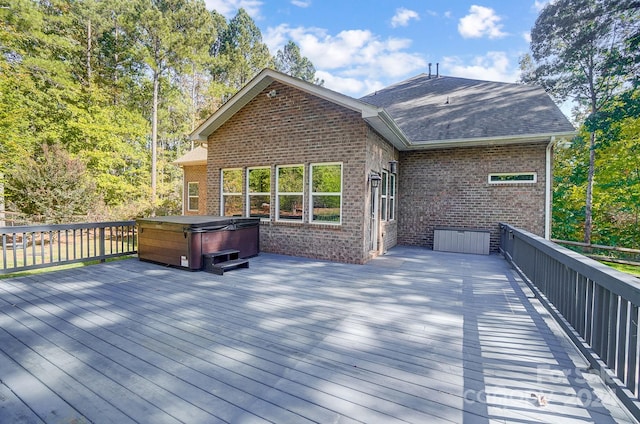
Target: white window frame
{"x":251,"y":193}
{"x":533,"y":180}
{"x":384,"y":195}
{"x":392,"y":189}
{"x":189,"y":196}
{"x":223,"y":193}
{"x":286,"y":193}
{"x":336,"y":194}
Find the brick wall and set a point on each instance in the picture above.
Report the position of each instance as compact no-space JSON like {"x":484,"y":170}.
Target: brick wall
{"x":195,"y":173}
{"x":296,"y":128}
{"x":449,"y":187}
{"x":379,"y":154}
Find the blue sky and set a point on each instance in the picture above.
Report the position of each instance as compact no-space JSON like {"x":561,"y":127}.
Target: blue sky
{"x":359,"y":46}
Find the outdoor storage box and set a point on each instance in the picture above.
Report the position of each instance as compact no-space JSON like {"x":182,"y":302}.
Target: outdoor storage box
{"x":182,"y":240}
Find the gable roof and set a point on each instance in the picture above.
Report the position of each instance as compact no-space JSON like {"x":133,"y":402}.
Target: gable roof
{"x":375,"y":116}
{"x":444,"y":110}
{"x":428,"y":111}
{"x":197,"y":156}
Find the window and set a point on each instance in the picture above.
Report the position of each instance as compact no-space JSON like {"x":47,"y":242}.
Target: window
{"x":513,"y":178}
{"x":231,"y":184}
{"x":193,"y":195}
{"x":326,"y":193}
{"x":384,"y":195}
{"x":259,"y":192}
{"x":392,"y":197}
{"x":289,"y":193}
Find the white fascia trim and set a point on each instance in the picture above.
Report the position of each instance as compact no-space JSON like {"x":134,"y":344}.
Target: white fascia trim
{"x":488,"y":141}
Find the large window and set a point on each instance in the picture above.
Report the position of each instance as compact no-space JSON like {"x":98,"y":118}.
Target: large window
{"x":231,"y":201}
{"x":384,"y":195}
{"x":259,"y":192}
{"x":326,"y":193}
{"x":193,"y":195}
{"x":289,"y":193}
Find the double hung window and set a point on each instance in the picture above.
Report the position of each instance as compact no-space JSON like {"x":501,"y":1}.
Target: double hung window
{"x":231,"y":201}
{"x":289,"y":192}
{"x":259,"y":192}
{"x":326,"y":193}
{"x":193,"y":196}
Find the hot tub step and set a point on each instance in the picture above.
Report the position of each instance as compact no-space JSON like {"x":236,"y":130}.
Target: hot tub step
{"x":221,"y":267}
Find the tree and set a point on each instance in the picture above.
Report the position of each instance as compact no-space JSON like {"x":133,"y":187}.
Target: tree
{"x":53,"y":185}
{"x":291,"y":62}
{"x":168,"y":33}
{"x":242,"y":53}
{"x":573,"y":44}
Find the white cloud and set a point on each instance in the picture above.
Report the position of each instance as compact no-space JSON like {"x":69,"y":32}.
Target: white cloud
{"x":494,"y":66}
{"x":353,"y":62}
{"x":403,"y":16}
{"x":540,"y":4}
{"x":527,"y":36}
{"x":229,"y":8}
{"x":481,"y":22}
{"x":301,"y":3}
{"x":448,"y":14}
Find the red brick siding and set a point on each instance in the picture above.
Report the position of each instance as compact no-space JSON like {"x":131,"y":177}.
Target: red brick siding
{"x":297,"y":128}
{"x":449,"y":188}
{"x":195,"y":173}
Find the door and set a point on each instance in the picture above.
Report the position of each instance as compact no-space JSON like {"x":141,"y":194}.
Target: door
{"x":373,"y":244}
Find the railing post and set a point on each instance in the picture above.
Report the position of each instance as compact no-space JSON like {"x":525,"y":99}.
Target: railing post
{"x":102,"y":246}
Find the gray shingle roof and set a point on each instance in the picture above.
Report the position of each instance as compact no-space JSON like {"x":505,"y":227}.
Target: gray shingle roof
{"x":448,"y":108}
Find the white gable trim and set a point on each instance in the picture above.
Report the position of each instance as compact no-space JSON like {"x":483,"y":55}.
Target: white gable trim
{"x":374,"y":116}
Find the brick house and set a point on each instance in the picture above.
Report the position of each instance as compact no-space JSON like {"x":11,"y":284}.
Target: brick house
{"x":345,"y":179}
{"x":194,"y":167}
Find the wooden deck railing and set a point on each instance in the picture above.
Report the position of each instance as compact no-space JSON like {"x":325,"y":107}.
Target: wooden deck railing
{"x":596,"y":305}
{"x":41,"y":246}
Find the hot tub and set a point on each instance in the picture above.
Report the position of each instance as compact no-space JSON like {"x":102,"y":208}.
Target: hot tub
{"x":182,"y":240}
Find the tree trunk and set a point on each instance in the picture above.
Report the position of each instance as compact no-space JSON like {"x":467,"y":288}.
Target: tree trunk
{"x":588,"y":220}
{"x":2,"y":215}
{"x":154,"y":138}
{"x":89,"y":52}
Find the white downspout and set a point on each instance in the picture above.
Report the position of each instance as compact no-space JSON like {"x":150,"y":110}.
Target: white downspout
{"x":548,"y":198}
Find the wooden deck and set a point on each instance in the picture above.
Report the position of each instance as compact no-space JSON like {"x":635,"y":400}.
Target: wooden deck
{"x":415,"y":336}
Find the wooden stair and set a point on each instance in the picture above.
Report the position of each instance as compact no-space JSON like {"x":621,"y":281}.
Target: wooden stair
{"x":219,"y":262}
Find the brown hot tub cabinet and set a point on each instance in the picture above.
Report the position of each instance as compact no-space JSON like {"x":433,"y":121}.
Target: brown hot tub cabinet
{"x":182,"y":240}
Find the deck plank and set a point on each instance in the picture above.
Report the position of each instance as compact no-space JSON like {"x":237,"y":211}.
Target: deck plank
{"x":413,"y":336}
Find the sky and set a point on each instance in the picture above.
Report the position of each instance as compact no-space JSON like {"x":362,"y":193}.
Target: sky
{"x":360,"y":46}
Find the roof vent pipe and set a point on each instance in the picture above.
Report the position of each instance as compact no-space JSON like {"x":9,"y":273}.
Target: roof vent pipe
{"x":437,"y":69}
{"x":429,"y":69}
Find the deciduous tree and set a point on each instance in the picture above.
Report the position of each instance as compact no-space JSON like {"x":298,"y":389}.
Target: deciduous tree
{"x":573,"y":44}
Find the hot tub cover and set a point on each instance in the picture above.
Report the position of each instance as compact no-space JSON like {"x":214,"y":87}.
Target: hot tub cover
{"x":198,"y":223}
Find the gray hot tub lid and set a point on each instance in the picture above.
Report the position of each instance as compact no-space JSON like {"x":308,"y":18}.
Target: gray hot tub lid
{"x":199,"y":222}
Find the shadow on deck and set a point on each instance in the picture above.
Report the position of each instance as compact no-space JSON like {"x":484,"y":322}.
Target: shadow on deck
{"x":413,"y":336}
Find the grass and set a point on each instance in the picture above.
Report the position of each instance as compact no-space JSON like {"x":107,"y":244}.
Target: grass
{"x":629,"y":269}
{"x":59,"y":267}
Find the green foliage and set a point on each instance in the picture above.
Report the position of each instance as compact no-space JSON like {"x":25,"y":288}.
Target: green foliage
{"x":616,"y":191}
{"x":260,"y":180}
{"x":290,"y":61}
{"x":53,"y":186}
{"x":242,"y":52}
{"x":327,"y":179}
{"x":290,"y":179}
{"x":580,"y":50}
{"x":232,"y":181}
{"x":91,"y":77}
